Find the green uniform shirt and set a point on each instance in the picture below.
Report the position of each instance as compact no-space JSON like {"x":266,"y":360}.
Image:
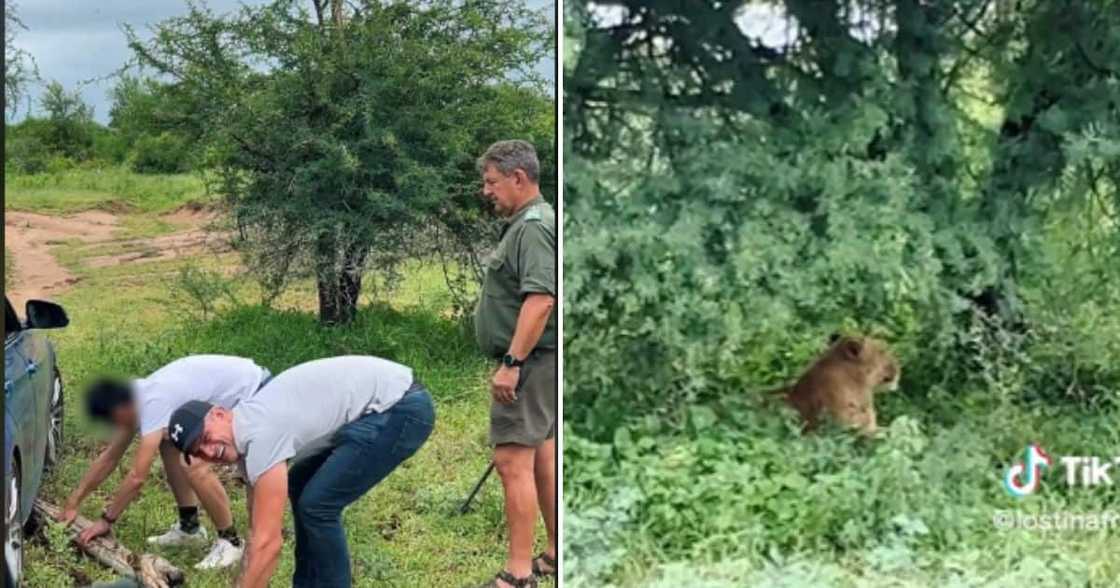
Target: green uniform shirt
{"x":523,"y":263}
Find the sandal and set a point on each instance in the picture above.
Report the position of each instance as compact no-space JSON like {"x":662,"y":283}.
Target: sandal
{"x":527,"y":582}
{"x":548,"y":561}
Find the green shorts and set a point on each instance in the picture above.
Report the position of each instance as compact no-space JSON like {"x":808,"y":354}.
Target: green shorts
{"x":531,"y":419}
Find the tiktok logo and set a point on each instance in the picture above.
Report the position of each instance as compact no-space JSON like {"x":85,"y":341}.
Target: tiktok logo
{"x":1023,"y":479}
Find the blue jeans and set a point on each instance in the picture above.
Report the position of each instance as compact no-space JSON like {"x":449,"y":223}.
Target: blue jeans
{"x":320,"y":486}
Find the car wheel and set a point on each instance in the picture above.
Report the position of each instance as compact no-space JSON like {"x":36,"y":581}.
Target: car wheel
{"x":13,"y":542}
{"x":54,"y":424}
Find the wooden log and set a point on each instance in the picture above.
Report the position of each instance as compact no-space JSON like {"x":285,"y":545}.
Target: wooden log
{"x":151,"y":571}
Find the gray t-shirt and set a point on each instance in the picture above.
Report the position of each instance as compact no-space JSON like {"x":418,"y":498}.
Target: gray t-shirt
{"x":221,"y":380}
{"x":296,"y":414}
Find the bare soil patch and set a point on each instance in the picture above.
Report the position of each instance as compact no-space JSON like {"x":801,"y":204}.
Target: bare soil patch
{"x":162,"y":248}
{"x":29,"y":237}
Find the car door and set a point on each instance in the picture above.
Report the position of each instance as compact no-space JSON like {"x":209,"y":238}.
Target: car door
{"x":19,"y":395}
{"x":37,"y":357}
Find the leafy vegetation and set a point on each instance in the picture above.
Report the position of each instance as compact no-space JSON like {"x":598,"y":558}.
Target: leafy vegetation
{"x":943,"y":175}
{"x":107,"y":188}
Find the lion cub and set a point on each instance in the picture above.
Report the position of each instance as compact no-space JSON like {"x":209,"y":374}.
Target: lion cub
{"x":842,"y":382}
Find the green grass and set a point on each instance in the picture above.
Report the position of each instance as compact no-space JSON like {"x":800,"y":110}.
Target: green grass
{"x":403,"y":533}
{"x":739,"y":498}
{"x":107,"y":188}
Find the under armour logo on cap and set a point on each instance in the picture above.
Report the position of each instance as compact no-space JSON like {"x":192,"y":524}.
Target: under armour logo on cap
{"x":186,"y":425}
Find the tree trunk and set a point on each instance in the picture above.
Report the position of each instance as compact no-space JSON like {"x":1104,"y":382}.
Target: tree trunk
{"x":336,"y":13}
{"x":338,"y":297}
{"x":339,"y":287}
{"x":151,"y":571}
{"x":1004,"y":203}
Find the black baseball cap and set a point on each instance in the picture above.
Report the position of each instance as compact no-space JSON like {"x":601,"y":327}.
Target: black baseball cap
{"x":185,"y":426}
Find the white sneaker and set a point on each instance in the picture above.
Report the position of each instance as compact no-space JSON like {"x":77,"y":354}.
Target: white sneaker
{"x":223,"y":554}
{"x":176,"y":537}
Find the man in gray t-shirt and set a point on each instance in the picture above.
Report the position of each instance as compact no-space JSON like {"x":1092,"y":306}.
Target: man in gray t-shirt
{"x":322,"y":433}
{"x":144,"y":405}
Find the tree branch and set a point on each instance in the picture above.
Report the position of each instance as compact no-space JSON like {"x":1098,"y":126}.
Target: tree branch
{"x":1097,"y":68}
{"x":318,"y":11}
{"x":150,"y":570}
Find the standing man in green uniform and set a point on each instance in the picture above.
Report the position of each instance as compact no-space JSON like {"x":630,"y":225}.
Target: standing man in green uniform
{"x":515,"y":323}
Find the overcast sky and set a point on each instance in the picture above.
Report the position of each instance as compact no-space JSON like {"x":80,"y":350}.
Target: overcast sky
{"x":77,"y":40}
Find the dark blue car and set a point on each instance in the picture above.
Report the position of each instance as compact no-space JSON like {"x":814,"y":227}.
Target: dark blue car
{"x":33,"y":402}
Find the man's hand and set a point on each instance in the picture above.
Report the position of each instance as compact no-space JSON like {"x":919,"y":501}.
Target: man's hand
{"x":504,"y":384}
{"x":97,"y":529}
{"x":69,"y":512}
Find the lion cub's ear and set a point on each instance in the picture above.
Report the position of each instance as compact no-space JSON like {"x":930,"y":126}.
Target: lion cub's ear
{"x":852,"y":348}
{"x":833,"y":338}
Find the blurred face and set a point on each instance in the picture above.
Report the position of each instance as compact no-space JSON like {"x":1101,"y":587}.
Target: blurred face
{"x":504,"y":192}
{"x":216,"y":442}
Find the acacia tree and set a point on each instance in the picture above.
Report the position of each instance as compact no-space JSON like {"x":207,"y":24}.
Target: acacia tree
{"x":466,"y":227}
{"x":335,"y":132}
{"x":69,"y":121}
{"x":19,"y":67}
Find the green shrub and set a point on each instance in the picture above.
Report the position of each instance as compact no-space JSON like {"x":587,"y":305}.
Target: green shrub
{"x":109,"y":146}
{"x":26,"y":155}
{"x":740,"y":484}
{"x":165,"y":153}
{"x":58,"y":164}
{"x":199,"y":292}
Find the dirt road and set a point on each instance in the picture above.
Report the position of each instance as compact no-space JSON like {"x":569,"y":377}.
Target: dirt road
{"x":29,"y":237}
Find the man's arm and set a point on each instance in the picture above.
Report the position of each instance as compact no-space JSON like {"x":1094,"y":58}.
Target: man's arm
{"x":536,"y":269}
{"x":270,"y":492}
{"x":531,"y":322}
{"x":536,"y":253}
{"x":97,"y":472}
{"x":128,"y":489}
{"x":134,"y":481}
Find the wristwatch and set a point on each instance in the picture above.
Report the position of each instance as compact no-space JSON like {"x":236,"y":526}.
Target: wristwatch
{"x":511,"y":361}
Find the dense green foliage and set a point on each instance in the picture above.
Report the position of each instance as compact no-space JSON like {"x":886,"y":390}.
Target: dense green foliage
{"x":143,"y":133}
{"x":64,"y":136}
{"x":69,"y":122}
{"x":337,"y":138}
{"x":738,"y":493}
{"x":151,"y":131}
{"x":943,"y":175}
